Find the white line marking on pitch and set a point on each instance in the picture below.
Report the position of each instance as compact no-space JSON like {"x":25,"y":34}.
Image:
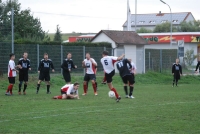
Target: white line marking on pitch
{"x":102,"y":110}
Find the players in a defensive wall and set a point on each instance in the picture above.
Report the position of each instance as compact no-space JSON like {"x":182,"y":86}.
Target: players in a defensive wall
{"x":90,"y":65}
{"x":176,"y":72}
{"x":44,"y":74}
{"x":12,"y":69}
{"x":67,"y":66}
{"x":108,"y":66}
{"x":23,"y":72}
{"x":69,"y":91}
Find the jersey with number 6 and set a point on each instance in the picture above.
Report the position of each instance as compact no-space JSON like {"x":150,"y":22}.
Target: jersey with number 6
{"x":108,"y":63}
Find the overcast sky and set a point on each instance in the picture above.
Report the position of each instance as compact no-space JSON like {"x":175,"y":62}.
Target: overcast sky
{"x":94,"y":15}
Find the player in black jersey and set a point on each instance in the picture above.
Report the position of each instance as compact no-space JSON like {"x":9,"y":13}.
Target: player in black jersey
{"x":43,"y":69}
{"x":23,"y":72}
{"x":67,"y":66}
{"x":176,"y":72}
{"x":126,"y":76}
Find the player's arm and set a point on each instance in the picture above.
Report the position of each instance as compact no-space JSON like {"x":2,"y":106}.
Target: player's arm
{"x":52,"y":67}
{"x":19,"y":65}
{"x":197,"y":66}
{"x":29,"y":65}
{"x":93,"y":62}
{"x":40,"y":66}
{"x":70,"y":95}
{"x":83,"y":64}
{"x":73,"y":66}
{"x":121,"y":57}
{"x":180,"y":69}
{"x":173,"y":68}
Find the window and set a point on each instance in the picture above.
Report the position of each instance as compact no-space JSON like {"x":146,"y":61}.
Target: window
{"x":175,"y":21}
{"x":132,"y":22}
{"x":163,"y":21}
{"x":141,"y":22}
{"x":153,"y":21}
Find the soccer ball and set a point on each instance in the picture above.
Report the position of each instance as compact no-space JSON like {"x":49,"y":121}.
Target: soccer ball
{"x":111,"y":94}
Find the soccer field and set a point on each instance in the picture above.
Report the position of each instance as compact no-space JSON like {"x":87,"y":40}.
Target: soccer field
{"x":157,"y":108}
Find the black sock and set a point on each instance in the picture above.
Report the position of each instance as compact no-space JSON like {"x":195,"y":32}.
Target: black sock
{"x":96,"y":84}
{"x":176,"y":82}
{"x":48,"y":86}
{"x":126,"y":90}
{"x":25,"y":86}
{"x":38,"y":87}
{"x":131,"y":91}
{"x":20,"y":86}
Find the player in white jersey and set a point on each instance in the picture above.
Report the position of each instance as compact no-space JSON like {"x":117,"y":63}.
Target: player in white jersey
{"x":90,"y":65}
{"x":68,"y":91}
{"x":11,"y":74}
{"x":108,"y":66}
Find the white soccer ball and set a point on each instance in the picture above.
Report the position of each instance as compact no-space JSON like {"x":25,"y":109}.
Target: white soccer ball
{"x":111,"y":94}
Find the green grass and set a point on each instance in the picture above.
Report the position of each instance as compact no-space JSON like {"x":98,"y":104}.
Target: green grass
{"x":157,"y":108}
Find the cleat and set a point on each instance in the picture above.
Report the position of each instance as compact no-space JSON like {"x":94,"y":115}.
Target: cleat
{"x":48,"y":92}
{"x":127,"y":96}
{"x":131,"y":97}
{"x":84,"y":94}
{"x":119,"y":98}
{"x":7,"y":93}
{"x":24,"y":93}
{"x":103,"y":82}
{"x":19,"y":93}
{"x":95,"y":94}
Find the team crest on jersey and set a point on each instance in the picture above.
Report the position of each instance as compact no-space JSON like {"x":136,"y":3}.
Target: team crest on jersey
{"x":87,"y":65}
{"x":24,"y":65}
{"x":46,"y":64}
{"x":69,"y":66}
{"x":177,"y":67}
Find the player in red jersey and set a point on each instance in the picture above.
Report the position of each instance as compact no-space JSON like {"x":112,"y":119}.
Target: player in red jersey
{"x":69,"y":91}
{"x":108,"y":66}
{"x":11,"y":74}
{"x":90,"y":65}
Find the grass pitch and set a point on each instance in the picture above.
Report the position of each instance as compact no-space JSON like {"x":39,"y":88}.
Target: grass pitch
{"x":157,"y":108}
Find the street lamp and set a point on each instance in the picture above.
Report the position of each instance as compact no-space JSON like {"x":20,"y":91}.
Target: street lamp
{"x":171,"y":22}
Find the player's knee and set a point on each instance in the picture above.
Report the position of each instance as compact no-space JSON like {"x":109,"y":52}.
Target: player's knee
{"x":85,"y":83}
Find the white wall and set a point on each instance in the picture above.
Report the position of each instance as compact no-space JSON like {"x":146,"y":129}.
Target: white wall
{"x":104,"y":38}
{"x":130,"y":52}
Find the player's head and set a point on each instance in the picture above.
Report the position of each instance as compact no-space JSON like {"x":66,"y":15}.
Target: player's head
{"x":25,"y":55}
{"x":177,"y":60}
{"x":12,"y":56}
{"x":69,"y":56}
{"x":76,"y":86}
{"x":105,"y":53}
{"x":87,"y":56}
{"x":45,"y":55}
{"x":130,"y":60}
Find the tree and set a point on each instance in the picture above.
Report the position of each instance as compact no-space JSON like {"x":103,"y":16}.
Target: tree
{"x":164,"y":27}
{"x":189,"y":57}
{"x":26,"y":26}
{"x":144,"y":30}
{"x":192,"y":26}
{"x":58,"y":36}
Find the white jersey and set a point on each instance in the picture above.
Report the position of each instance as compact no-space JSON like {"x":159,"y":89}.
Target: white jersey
{"x":69,"y":88}
{"x":90,"y":68}
{"x":11,"y":67}
{"x":108,"y":63}
{"x":133,"y":67}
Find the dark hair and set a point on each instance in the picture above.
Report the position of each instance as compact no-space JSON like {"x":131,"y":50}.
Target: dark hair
{"x":76,"y":83}
{"x":45,"y":53}
{"x":105,"y":53}
{"x":12,"y":54}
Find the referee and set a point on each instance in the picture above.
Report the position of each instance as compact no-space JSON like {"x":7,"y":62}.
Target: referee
{"x":44,"y":71}
{"x":23,"y":72}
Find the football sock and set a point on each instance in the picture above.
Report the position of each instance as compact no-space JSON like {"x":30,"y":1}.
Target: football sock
{"x":104,"y":79}
{"x":9,"y":88}
{"x":59,"y":97}
{"x":126,"y":90}
{"x":85,"y":88}
{"x":114,"y":90}
{"x":38,"y":87}
{"x":131,"y":90}
{"x":48,"y":86}
{"x":20,"y":87}
{"x":25,"y":86}
{"x":96,"y":84}
{"x":94,"y":87}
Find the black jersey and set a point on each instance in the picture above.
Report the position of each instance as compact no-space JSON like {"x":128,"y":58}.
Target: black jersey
{"x":67,"y":64}
{"x":123,"y":66}
{"x":198,"y":64}
{"x":45,"y":65}
{"x":25,"y":64}
{"x":176,"y":69}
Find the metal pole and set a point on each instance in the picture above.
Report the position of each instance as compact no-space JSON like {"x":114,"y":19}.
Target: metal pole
{"x":171,"y":22}
{"x":135,"y":15}
{"x":83,"y":59}
{"x":12,"y":27}
{"x":149,"y":60}
{"x":61,"y":56}
{"x":160,"y":60}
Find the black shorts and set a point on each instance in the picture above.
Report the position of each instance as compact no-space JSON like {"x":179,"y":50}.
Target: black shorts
{"x":62,"y":92}
{"x":44,"y":76}
{"x":11,"y":80}
{"x":23,"y":76}
{"x":109,"y":76}
{"x":89,"y":77}
{"x":128,"y":78}
{"x":67,"y":77}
